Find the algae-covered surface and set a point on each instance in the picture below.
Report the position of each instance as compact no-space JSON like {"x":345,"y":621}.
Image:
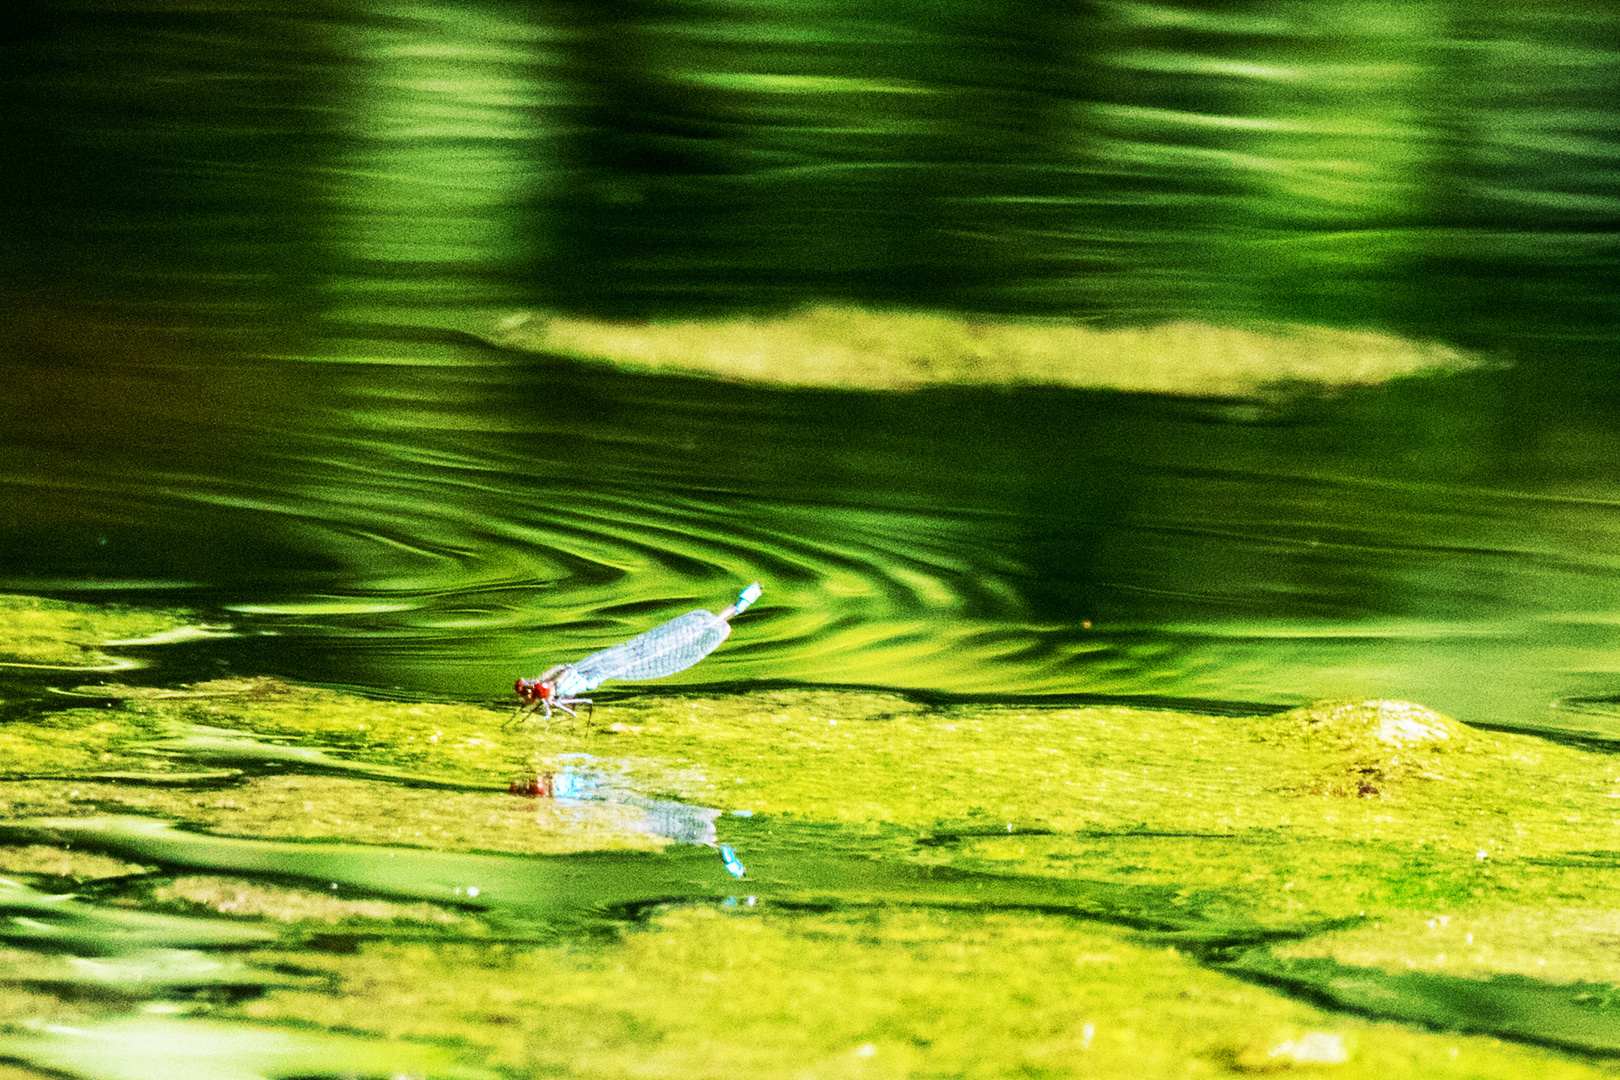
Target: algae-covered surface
{"x":40,"y":633}
{"x":253,"y":878}
{"x":852,"y":347}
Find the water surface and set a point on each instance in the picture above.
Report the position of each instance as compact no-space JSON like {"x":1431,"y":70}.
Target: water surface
{"x":247,"y":275}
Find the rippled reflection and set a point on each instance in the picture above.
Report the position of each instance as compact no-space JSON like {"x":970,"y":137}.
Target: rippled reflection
{"x":1009,"y":543}
{"x":244,"y":249}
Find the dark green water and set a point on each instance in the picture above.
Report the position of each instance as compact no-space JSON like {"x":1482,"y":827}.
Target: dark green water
{"x":241,"y":246}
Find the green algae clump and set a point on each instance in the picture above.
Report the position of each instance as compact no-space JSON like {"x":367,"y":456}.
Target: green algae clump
{"x":853,"y":347}
{"x":1368,"y":746}
{"x":1479,"y":854}
{"x":40,"y":633}
{"x":883,"y":993}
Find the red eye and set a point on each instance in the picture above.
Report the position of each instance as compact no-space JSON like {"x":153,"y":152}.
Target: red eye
{"x":544,"y":690}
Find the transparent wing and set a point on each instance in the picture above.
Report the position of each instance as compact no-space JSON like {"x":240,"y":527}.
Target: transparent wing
{"x":663,"y":650}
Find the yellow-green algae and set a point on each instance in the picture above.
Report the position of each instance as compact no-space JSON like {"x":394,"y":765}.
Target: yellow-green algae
{"x":41,"y":860}
{"x":879,"y":993}
{"x":40,"y":633}
{"x":851,"y":347}
{"x":1434,"y":830}
{"x":234,"y":896}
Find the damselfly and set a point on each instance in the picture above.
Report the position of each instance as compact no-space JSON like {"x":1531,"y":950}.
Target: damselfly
{"x":663,"y":650}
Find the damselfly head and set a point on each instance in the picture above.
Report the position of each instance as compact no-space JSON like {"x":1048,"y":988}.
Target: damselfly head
{"x":533,"y":689}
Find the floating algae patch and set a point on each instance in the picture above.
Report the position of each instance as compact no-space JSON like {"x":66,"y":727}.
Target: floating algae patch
{"x":1366,"y":747}
{"x":40,"y":633}
{"x":268,"y":721}
{"x":1110,"y":835}
{"x":142,"y":974}
{"x":838,"y":346}
{"x":1557,"y":926}
{"x":44,"y":861}
{"x":245,"y":897}
{"x":1374,"y":808}
{"x":340,"y":809}
{"x":318,"y":764}
{"x":72,"y":743}
{"x":1021,"y":771}
{"x":875,"y":992}
{"x":898,"y":971}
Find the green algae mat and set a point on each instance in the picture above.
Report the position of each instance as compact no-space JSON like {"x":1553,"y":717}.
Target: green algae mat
{"x":251,"y":878}
{"x":901,"y":350}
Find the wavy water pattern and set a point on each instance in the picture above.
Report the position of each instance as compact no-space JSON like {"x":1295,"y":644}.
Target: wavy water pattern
{"x":1027,"y":542}
{"x":243,"y":371}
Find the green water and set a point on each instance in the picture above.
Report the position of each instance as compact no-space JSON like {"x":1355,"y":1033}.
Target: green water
{"x":250,"y":363}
